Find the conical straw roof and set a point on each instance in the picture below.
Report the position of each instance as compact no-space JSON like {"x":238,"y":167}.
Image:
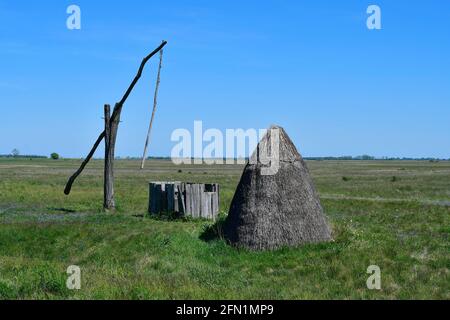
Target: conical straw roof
{"x":275,"y":203}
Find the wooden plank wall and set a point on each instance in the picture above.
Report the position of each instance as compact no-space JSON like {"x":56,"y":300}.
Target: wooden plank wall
{"x":190,"y":199}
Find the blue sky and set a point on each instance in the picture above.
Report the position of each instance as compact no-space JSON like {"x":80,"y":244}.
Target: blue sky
{"x":312,"y":67}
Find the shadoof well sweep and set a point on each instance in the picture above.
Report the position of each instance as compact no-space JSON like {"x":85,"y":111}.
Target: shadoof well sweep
{"x":186,"y":199}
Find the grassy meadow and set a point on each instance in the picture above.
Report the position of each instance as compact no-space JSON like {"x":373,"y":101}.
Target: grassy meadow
{"x":394,"y":214}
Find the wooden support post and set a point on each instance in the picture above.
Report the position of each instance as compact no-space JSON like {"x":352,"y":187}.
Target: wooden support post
{"x":108,"y":185}
{"x":72,"y":179}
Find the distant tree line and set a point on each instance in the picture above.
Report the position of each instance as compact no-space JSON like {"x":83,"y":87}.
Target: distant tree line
{"x":23,"y":156}
{"x":364,"y":157}
{"x":56,"y":156}
{"x":15,"y":154}
{"x":367,"y":157}
{"x":140,"y":158}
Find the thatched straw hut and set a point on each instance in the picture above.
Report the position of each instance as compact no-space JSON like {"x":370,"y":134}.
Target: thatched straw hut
{"x":276,"y":209}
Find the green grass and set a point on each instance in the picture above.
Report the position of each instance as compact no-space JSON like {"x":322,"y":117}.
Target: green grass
{"x":401,"y":225}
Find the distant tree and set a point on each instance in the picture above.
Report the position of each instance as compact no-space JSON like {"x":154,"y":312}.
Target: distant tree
{"x":15,"y":153}
{"x":366,"y":157}
{"x":54,"y":156}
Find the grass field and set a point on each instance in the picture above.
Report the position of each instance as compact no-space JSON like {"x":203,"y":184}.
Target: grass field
{"x":392,"y":214}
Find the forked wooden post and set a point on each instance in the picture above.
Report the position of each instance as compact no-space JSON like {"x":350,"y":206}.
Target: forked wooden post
{"x":108,"y":194}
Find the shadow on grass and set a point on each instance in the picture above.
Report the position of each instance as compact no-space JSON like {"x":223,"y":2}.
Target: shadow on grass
{"x":214,"y":232}
{"x":165,"y":216}
{"x":62,"y":210}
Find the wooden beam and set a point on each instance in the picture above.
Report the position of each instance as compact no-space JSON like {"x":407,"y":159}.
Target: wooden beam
{"x":83,"y":164}
{"x":119,"y":105}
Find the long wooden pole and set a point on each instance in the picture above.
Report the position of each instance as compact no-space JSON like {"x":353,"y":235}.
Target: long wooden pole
{"x":155,"y":103}
{"x":114,"y":120}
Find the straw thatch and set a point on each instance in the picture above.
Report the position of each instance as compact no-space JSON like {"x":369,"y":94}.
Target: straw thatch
{"x":270,"y":211}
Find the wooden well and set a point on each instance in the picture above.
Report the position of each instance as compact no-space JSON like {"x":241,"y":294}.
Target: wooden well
{"x":188,"y":199}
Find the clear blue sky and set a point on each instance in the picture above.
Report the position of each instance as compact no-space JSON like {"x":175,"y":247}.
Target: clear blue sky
{"x":311,"y":66}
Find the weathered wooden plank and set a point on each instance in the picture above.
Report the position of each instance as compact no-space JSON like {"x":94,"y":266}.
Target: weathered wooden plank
{"x":203,"y":211}
{"x":158,"y":205}
{"x":152,"y":198}
{"x":175,"y":198}
{"x":170,"y":191}
{"x":177,"y":206}
{"x":216,"y":202}
{"x":198,"y":204}
{"x":188,"y":200}
{"x":181,"y":201}
{"x":155,"y":198}
{"x":213,"y":205}
{"x":150,"y":194}
{"x":193,"y":200}
{"x":197,"y":201}
{"x":164,"y":199}
{"x":208,"y":205}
